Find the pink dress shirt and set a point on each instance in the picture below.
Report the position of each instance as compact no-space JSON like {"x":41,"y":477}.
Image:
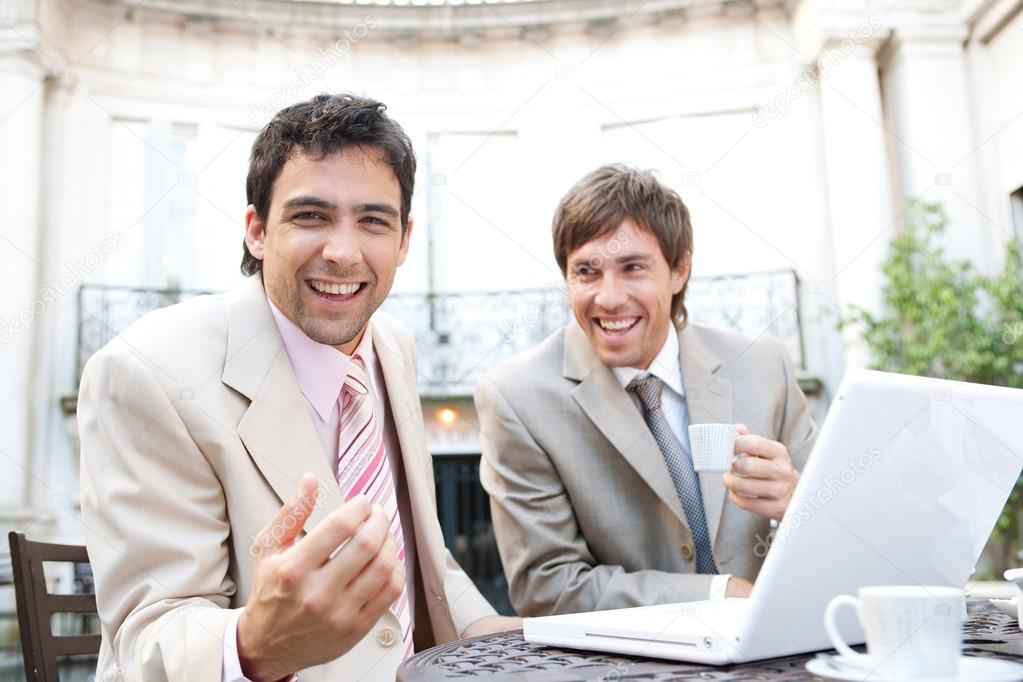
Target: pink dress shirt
{"x":321,"y":371}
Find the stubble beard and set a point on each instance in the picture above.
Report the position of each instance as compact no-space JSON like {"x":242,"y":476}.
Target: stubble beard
{"x":333,"y":331}
{"x":342,"y":330}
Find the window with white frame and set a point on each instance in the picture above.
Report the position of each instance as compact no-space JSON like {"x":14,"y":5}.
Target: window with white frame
{"x":177,"y":191}
{"x":483,"y":231}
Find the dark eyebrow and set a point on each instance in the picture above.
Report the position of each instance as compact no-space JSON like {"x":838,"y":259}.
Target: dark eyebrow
{"x":633,"y":258}
{"x":628,"y":258}
{"x":579,"y":262}
{"x":376,"y":208}
{"x":310,"y":201}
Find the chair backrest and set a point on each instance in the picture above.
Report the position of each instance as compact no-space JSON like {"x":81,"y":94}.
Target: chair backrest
{"x":40,"y":647}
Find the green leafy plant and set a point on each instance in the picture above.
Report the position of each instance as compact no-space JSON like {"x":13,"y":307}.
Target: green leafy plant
{"x":943,"y":319}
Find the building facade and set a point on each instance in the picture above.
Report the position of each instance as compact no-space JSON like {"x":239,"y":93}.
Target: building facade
{"x":795,"y":130}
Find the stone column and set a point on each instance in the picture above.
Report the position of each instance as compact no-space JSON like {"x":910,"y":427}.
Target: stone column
{"x":22,"y":86}
{"x":860,"y":196}
{"x":928,"y":102}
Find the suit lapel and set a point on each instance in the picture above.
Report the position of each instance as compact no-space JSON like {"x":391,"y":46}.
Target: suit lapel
{"x":277,"y":429}
{"x":408,"y":424}
{"x":609,"y":407}
{"x":708,"y":399}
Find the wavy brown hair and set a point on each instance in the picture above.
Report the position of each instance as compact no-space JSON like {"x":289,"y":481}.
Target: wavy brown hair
{"x":596,"y":205}
{"x":325,"y":125}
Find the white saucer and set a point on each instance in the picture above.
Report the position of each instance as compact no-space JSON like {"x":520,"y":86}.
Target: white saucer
{"x":971,"y":669}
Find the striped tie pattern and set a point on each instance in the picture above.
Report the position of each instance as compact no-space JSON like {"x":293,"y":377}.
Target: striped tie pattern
{"x":363,"y":469}
{"x":680,"y":466}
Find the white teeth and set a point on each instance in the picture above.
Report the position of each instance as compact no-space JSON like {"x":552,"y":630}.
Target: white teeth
{"x":617,"y":325}
{"x":342,"y":289}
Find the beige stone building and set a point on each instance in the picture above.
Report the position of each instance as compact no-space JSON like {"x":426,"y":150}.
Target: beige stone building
{"x":796,"y":130}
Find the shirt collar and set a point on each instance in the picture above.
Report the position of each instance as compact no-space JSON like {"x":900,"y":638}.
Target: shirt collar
{"x":320,"y":369}
{"x":666,"y":366}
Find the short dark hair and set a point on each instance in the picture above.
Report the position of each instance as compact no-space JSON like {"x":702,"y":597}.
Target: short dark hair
{"x":325,"y":125}
{"x":596,"y":205}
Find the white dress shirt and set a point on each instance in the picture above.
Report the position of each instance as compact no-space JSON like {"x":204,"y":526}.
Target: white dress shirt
{"x":321,"y":371}
{"x":667,"y":367}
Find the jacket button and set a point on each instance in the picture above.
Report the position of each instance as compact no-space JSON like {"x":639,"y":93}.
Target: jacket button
{"x":687,"y":552}
{"x":386,"y":637}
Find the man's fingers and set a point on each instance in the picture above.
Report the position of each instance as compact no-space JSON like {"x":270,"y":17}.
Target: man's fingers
{"x":758,"y":446}
{"x":386,"y":593}
{"x":376,"y":574}
{"x":281,"y":532}
{"x":336,"y":529}
{"x":755,"y":487}
{"x":755,"y":467}
{"x":761,"y":481}
{"x":308,"y":493}
{"x":361,"y":548}
{"x":773,"y":509}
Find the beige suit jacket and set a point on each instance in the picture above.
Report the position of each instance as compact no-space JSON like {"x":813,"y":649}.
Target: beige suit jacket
{"x":193,"y":433}
{"x":585,"y":512}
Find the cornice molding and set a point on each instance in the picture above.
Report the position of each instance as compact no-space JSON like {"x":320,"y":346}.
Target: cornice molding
{"x":434,"y":21}
{"x":914,"y":24}
{"x":21,"y":59}
{"x":987,"y":18}
{"x":26,"y":41}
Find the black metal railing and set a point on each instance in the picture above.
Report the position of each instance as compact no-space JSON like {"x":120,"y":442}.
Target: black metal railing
{"x":460,"y":336}
{"x":106,"y":310}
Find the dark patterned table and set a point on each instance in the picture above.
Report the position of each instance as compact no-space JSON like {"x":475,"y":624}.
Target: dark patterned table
{"x":507,"y":657}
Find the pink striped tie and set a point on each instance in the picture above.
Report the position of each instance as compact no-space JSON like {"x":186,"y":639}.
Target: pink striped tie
{"x":363,"y":469}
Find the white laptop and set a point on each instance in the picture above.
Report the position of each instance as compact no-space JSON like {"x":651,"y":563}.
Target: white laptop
{"x":904,"y":485}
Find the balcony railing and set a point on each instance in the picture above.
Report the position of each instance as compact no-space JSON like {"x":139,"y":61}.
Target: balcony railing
{"x":460,"y":336}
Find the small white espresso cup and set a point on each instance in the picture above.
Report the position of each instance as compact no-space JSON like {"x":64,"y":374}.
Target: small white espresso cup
{"x":912,"y":632}
{"x":713,"y":446}
{"x":1015,"y":575}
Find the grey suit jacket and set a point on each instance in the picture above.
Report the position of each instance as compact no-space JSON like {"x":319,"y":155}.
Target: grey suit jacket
{"x":585,"y":512}
{"x":194,"y":432}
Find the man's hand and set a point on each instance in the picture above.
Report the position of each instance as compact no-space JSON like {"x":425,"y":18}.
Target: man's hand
{"x":738,"y":587}
{"x":763,"y":481}
{"x":311,"y":601}
{"x":491,"y":624}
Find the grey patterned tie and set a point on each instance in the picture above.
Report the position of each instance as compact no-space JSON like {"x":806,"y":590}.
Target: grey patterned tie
{"x":680,"y":466}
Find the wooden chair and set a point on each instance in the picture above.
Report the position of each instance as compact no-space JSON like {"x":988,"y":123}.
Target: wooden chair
{"x":40,"y":647}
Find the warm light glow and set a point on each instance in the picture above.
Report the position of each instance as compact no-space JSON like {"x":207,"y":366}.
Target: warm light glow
{"x":447,"y":416}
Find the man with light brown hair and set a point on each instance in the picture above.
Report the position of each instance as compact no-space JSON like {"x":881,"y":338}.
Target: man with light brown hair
{"x":595,"y":500}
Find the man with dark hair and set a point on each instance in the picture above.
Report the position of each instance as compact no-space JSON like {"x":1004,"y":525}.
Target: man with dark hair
{"x":257,"y":494}
{"x":586,"y":457}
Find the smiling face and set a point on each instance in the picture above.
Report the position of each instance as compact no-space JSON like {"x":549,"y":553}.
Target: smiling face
{"x":331,"y":243}
{"x":621,"y":297}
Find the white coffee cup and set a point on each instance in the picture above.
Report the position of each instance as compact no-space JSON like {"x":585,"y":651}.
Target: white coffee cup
{"x":912,"y":632}
{"x":713,"y":446}
{"x":1015,"y":575}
